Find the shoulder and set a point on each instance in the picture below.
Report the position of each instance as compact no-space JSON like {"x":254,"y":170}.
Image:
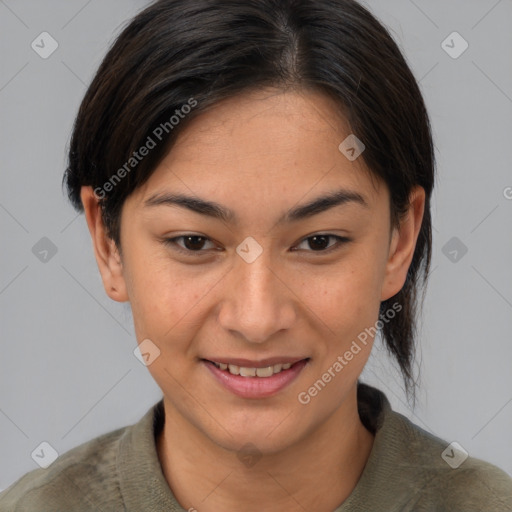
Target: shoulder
{"x":476,"y":485}
{"x":78,"y":480}
{"x":444,"y":474}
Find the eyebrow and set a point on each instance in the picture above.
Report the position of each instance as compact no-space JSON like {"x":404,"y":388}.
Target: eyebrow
{"x":217,"y":211}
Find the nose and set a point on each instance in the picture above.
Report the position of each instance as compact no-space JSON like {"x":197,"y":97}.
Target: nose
{"x":257,"y":301}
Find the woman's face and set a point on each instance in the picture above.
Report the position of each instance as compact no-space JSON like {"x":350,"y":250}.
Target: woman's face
{"x":255,"y":285}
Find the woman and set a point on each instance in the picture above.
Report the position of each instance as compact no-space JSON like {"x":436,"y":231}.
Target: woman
{"x":256,"y":177}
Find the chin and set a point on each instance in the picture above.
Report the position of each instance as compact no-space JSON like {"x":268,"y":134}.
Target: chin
{"x":275,"y":433}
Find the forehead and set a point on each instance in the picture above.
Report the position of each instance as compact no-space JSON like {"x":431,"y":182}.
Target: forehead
{"x":263,"y":143}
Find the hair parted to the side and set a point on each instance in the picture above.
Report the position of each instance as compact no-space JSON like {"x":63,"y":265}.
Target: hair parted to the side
{"x":209,"y":50}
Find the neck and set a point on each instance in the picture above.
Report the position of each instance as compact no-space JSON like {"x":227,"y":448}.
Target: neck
{"x":317,"y":473}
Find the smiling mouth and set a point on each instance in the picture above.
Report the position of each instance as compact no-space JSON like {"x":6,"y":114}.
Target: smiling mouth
{"x":244,"y":371}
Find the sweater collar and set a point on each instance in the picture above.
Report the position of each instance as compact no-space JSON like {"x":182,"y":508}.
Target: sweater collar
{"x":144,"y":487}
{"x":141,"y":480}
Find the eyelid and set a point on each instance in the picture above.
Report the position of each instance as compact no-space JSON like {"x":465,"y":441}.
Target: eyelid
{"x":172,"y":242}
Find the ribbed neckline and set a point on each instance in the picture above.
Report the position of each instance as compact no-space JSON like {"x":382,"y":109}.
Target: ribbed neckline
{"x":143,"y":485}
{"x":377,"y":416}
{"x":142,"y":482}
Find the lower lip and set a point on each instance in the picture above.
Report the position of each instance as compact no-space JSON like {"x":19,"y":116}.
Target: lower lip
{"x":256,"y":387}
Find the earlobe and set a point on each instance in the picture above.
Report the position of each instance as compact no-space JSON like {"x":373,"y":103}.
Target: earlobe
{"x":105,"y":250}
{"x":403,"y":244}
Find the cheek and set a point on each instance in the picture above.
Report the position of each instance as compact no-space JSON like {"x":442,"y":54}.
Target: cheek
{"x":347,"y":303}
{"x":163,"y":302}
{"x":163,"y":294}
{"x":347,"y":297}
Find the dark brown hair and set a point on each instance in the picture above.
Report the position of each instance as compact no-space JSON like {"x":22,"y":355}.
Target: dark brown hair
{"x":197,"y":52}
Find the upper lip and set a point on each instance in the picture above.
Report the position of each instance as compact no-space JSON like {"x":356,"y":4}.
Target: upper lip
{"x":261,"y":363}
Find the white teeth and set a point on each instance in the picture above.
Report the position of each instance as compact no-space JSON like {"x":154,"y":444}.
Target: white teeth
{"x":247,"y":372}
{"x":243,"y":371}
{"x":234,"y":369}
{"x":265,"y":372}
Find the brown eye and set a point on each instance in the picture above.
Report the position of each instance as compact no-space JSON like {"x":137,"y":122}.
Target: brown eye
{"x":320,"y":242}
{"x":191,"y":243}
{"x":194,"y":243}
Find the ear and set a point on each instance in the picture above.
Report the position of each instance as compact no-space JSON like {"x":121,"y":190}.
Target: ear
{"x":403,"y":243}
{"x":105,"y":250}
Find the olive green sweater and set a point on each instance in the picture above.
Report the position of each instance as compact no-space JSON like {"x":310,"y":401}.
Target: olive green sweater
{"x":408,"y":470}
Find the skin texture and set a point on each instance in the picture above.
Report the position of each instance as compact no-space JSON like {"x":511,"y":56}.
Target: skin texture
{"x":258,"y":154}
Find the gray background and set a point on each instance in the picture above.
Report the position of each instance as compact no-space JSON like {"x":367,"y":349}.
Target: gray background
{"x":67,"y":369}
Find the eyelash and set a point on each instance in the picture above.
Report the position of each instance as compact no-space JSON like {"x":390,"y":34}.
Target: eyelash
{"x":171,"y":242}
